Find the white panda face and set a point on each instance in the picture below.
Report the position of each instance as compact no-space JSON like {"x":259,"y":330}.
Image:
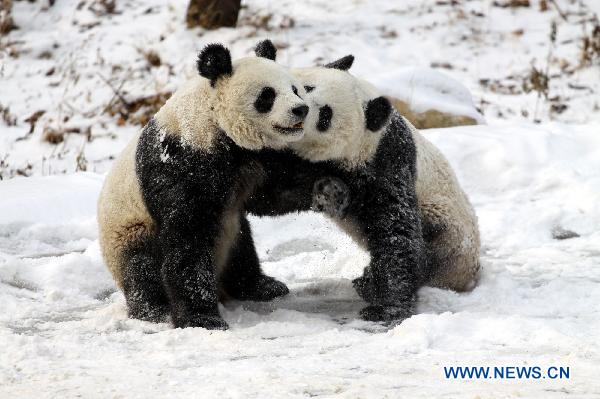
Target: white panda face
{"x":261,"y":96}
{"x":336,"y":126}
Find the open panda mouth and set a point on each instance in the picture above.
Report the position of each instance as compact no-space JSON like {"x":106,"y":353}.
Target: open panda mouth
{"x":297,"y":128}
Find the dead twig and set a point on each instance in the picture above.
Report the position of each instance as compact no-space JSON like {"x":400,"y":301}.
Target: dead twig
{"x":560,"y":12}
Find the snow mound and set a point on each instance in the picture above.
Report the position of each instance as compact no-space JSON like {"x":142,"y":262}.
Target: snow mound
{"x":426,"y":89}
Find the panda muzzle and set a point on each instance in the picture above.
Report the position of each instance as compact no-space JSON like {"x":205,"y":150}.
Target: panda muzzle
{"x":298,"y":127}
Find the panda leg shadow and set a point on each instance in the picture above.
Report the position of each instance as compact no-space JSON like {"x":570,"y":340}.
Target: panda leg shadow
{"x":243,"y":278}
{"x":144,"y":292}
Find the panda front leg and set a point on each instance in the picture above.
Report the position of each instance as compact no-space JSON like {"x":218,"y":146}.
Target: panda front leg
{"x":188,"y":275}
{"x":242,"y":277}
{"x":395,"y":243}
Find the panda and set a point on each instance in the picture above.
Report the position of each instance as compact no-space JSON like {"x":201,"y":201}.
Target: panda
{"x":394,"y":192}
{"x":172,"y":229}
{"x":449,"y":222}
{"x":357,"y":142}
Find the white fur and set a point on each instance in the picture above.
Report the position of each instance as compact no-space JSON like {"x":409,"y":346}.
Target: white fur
{"x":122,"y":214}
{"x":347,"y":139}
{"x":197,"y":111}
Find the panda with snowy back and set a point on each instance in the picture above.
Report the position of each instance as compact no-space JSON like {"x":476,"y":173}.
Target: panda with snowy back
{"x":173,"y":231}
{"x":449,"y":221}
{"x":398,"y":196}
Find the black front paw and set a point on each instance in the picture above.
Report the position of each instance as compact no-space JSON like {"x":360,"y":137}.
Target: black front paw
{"x":331,"y":196}
{"x":262,"y":289}
{"x":204,"y":321}
{"x":386,"y":313}
{"x":267,"y":288}
{"x":364,"y":287}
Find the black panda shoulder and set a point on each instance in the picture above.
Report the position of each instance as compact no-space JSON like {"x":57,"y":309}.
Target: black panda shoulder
{"x":159,"y":146}
{"x":170,"y":171}
{"x":397,"y":145}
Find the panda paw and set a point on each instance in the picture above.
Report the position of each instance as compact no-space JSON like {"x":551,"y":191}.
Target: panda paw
{"x":364,"y":287}
{"x":331,"y":196}
{"x":392,"y":315}
{"x":210,"y":322}
{"x":146,"y":312}
{"x":263,"y":289}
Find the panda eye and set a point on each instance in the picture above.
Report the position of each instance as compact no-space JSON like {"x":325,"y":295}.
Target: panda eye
{"x":325,"y":115}
{"x":309,"y":88}
{"x":265,"y":100}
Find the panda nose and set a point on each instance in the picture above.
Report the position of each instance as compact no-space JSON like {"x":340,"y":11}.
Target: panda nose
{"x":300,"y":111}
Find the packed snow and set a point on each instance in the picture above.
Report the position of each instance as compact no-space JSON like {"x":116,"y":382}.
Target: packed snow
{"x":64,"y":330}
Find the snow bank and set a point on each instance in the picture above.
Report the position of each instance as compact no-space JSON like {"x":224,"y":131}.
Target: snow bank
{"x":64,"y":326}
{"x":425,"y":89}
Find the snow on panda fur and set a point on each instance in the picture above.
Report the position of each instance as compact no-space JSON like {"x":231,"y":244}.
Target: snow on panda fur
{"x":173,"y":231}
{"x":449,"y":221}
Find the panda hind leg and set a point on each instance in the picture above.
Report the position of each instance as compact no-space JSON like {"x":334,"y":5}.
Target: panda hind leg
{"x":142,"y":283}
{"x":242,"y":278}
{"x":364,"y":284}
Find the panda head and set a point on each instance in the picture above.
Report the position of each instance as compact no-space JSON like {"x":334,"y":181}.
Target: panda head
{"x":256,"y":101}
{"x":347,"y":115}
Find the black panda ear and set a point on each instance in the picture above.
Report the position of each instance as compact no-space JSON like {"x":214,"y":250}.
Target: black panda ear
{"x":377,"y":113}
{"x":342,"y":64}
{"x":213,"y":62}
{"x":266,"y":49}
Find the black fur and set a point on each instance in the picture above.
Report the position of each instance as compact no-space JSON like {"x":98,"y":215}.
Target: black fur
{"x":383,"y":204}
{"x":288,"y":183}
{"x":300,"y":111}
{"x":342,"y":64}
{"x":243,"y":278}
{"x":325,"y":115}
{"x":213,"y":62}
{"x":265,"y":100}
{"x":142,"y":283}
{"x":266,"y":49}
{"x":186,"y":192}
{"x":377,"y":113}
{"x":332,"y":196}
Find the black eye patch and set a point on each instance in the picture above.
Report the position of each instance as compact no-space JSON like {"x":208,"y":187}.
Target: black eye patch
{"x":325,"y":114}
{"x":295,"y":90}
{"x":265,"y":100}
{"x":309,"y":88}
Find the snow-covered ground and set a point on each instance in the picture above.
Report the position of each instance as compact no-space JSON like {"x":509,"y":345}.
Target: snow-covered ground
{"x":68,"y":60}
{"x":64,"y":331}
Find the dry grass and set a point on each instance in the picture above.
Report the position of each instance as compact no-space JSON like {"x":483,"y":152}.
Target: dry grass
{"x":138,"y":111}
{"x":590,"y":44}
{"x":8,"y":118}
